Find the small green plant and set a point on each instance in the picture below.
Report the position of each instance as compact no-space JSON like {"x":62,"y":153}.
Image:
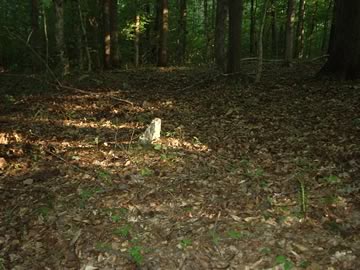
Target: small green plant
{"x":287,"y":263}
{"x":332,"y":179}
{"x":104,"y":176}
{"x":304,"y":264}
{"x":43,"y":211}
{"x":2,"y":262}
{"x":215,"y":237}
{"x":103,"y":247}
{"x":116,"y":214}
{"x":146,"y":172}
{"x":123,"y":231}
{"x":235,"y":234}
{"x":302,"y":197}
{"x":265,"y":251}
{"x":135,"y":254}
{"x":184,"y":243}
{"x":329,"y":200}
{"x":86,"y":194}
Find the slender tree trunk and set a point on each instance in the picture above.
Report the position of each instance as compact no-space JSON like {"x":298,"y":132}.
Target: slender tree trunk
{"x":35,"y":37}
{"x":220,"y":25}
{"x":182,"y":31}
{"x":45,"y":36}
{"x":107,"y":34}
{"x":114,"y":35}
{"x":344,"y":59}
{"x":235,"y":26}
{"x":63,"y":61}
{"x":206,"y":29}
{"x":260,"y":43}
{"x":300,"y":31}
{"x":253,"y":7}
{"x":312,"y":29}
{"x":332,"y":30}
{"x":289,"y":46}
{"x":327,"y":22}
{"x":274,"y":33}
{"x":137,"y":39}
{"x":164,"y":29}
{"x":84,"y":40}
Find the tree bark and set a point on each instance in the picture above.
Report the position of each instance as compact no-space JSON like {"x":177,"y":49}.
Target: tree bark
{"x":164,"y":29}
{"x":312,"y":26}
{"x":35,"y":37}
{"x":300,"y":31}
{"x":85,"y":41}
{"x":289,"y":46}
{"x":182,"y":31}
{"x":260,"y":42}
{"x":253,"y":7}
{"x":114,"y":35}
{"x":63,"y":61}
{"x":107,"y":33}
{"x":235,"y":26}
{"x":274,"y":31}
{"x":220,"y":25}
{"x":344,"y":59}
{"x":137,"y":40}
{"x":327,"y":22}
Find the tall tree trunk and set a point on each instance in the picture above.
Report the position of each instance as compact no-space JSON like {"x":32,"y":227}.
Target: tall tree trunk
{"x":45,"y":26}
{"x":327,"y":22}
{"x":300,"y":31}
{"x":235,"y":26}
{"x":312,"y":26}
{"x":107,"y":33}
{"x":63,"y":61}
{"x":164,"y":29}
{"x":137,"y":40}
{"x":253,"y":8}
{"x":220,"y":25}
{"x":114,"y":35}
{"x":84,"y":40}
{"x":332,"y":30}
{"x":289,"y":46}
{"x":182,"y":31}
{"x":274,"y":33}
{"x":260,"y":42}
{"x":35,"y":37}
{"x":206,"y":29}
{"x":344,"y":59}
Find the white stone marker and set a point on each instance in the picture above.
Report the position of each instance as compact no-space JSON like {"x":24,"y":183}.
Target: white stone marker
{"x":152,"y":132}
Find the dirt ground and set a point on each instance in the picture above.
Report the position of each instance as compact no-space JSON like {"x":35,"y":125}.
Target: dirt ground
{"x":244,"y":176}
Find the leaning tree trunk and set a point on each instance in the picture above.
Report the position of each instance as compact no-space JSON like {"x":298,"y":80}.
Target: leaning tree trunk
{"x":63,"y":61}
{"x":289,"y":46}
{"x":235,"y":25}
{"x":344,"y":59}
{"x":164,"y":29}
{"x":220,"y":23}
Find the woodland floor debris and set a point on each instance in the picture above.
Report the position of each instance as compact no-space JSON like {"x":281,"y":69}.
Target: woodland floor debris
{"x":245,"y":176}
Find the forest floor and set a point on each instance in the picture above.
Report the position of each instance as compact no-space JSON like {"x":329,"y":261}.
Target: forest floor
{"x":244,"y":176}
